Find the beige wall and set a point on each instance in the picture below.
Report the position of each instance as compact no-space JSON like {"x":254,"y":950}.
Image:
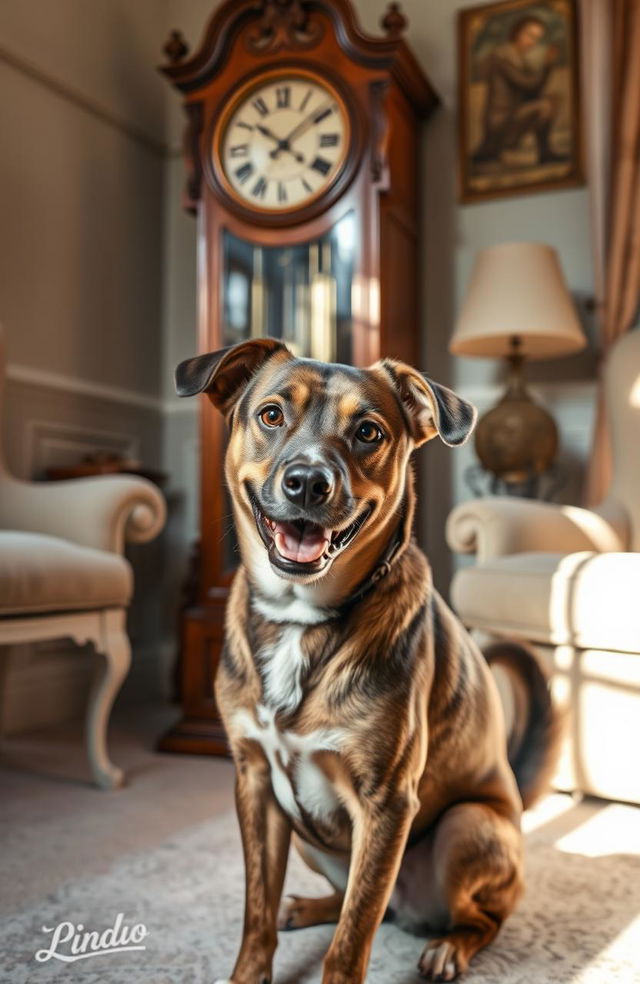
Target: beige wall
{"x":81,"y":172}
{"x":81,"y":210}
{"x":104,"y":49}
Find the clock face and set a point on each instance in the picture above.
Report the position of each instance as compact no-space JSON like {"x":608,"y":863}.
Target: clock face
{"x":283,"y":142}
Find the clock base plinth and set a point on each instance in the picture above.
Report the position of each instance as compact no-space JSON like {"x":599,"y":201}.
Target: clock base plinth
{"x":193,"y":736}
{"x":200,"y":730}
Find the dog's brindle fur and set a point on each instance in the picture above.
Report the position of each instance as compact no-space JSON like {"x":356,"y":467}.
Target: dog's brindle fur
{"x":366,"y":723}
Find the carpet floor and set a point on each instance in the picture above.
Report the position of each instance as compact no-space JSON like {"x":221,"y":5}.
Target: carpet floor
{"x":578,"y":921}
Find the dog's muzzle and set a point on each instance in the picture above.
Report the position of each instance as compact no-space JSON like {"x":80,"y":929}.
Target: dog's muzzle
{"x":301,"y":546}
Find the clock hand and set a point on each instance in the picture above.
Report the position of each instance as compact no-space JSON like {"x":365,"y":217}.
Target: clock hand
{"x":282,"y":144}
{"x":299,"y":130}
{"x":266,"y":132}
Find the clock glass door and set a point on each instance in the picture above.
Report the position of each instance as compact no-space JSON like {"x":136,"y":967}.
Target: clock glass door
{"x":301,"y":294}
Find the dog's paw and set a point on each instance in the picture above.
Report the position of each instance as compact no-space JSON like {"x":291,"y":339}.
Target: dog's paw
{"x":440,"y":961}
{"x":296,"y":912}
{"x":292,"y":913}
{"x":227,"y":980}
{"x":242,"y":978}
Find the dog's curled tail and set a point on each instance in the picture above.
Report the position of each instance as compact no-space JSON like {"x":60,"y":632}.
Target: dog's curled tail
{"x":534,"y":724}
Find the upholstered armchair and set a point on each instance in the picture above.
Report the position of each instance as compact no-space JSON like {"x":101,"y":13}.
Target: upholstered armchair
{"x":63,"y":575}
{"x":567,"y":580}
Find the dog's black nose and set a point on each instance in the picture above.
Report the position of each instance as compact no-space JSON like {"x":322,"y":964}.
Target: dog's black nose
{"x":307,"y":485}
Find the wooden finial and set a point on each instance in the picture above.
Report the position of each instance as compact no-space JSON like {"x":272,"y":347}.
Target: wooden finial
{"x":394,"y":21}
{"x":176,"y":47}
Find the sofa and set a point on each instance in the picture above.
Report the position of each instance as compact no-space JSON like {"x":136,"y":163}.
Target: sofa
{"x":566,"y":580}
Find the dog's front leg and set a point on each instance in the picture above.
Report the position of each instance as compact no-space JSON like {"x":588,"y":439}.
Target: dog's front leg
{"x":266,"y":834}
{"x":380,"y":831}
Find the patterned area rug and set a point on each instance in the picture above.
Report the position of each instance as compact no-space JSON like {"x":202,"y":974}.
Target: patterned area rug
{"x":575,"y":924}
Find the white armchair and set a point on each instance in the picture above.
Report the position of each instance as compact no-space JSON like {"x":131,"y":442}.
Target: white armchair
{"x":567,"y":580}
{"x":62,"y":575}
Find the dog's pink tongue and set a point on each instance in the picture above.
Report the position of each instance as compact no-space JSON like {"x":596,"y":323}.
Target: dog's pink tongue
{"x":304,"y":546}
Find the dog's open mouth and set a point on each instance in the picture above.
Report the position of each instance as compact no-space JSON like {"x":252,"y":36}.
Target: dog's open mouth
{"x":300,"y":545}
{"x":300,"y":541}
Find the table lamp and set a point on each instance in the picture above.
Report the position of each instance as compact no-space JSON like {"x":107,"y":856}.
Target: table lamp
{"x":518,"y":307}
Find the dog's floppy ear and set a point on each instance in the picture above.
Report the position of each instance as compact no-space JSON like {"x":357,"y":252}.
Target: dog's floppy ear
{"x":223,"y":375}
{"x":432,"y":409}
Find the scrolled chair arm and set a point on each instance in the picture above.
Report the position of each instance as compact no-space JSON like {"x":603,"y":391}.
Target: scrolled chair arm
{"x":102,"y":512}
{"x":504,"y":525}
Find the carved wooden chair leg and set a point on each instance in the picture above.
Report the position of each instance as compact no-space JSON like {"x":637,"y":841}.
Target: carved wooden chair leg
{"x":112,"y":643}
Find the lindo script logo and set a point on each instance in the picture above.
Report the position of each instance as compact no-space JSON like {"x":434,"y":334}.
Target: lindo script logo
{"x":70,"y":942}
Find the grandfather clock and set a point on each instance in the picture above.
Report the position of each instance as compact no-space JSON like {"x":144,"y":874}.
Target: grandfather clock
{"x":302,"y":156}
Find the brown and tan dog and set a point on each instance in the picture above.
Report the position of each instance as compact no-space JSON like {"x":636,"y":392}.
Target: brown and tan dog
{"x":361,"y":716}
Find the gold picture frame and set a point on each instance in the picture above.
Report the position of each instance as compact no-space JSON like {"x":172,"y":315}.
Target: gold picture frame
{"x":519,"y":125}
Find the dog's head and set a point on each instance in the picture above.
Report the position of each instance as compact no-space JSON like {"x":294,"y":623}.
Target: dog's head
{"x":317,"y":455}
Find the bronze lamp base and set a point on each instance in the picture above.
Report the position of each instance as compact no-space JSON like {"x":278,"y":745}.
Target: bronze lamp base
{"x":517,"y":439}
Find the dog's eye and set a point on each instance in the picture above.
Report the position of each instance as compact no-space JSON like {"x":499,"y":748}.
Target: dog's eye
{"x":272,"y":416}
{"x":368,"y":432}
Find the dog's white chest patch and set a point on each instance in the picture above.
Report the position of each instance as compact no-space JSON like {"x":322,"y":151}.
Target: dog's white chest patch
{"x":283,"y":665}
{"x":298,"y":782}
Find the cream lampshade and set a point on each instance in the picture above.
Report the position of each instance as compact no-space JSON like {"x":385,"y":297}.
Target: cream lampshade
{"x":517,"y":306}
{"x":517,"y":289}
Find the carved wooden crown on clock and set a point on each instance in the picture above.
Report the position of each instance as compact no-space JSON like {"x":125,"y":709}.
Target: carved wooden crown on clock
{"x":301,"y":149}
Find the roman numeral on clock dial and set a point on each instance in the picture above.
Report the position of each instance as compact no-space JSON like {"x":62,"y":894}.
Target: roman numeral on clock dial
{"x":259,"y":188}
{"x":260,"y":105}
{"x":321,"y":165}
{"x":244,"y":173}
{"x":283,"y":96}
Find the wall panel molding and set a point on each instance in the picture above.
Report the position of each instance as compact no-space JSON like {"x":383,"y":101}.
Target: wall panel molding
{"x":82,"y":101}
{"x":82,"y":387}
{"x":54,"y":445}
{"x":46,"y":379}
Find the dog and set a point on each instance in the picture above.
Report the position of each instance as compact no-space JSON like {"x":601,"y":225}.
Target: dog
{"x":363,"y":720}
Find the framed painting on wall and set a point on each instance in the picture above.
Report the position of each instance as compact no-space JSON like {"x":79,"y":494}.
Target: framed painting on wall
{"x":518,"y":98}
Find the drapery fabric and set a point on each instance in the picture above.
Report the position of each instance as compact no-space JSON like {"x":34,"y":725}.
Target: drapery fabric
{"x":611,"y":62}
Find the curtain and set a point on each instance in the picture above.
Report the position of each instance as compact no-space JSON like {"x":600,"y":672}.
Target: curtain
{"x":611,"y":59}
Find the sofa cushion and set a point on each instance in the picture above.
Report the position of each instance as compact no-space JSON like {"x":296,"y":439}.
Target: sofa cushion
{"x":588,"y":600}
{"x":45,"y":574}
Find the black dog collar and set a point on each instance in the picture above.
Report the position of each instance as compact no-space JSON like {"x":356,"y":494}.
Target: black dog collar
{"x":383,"y":566}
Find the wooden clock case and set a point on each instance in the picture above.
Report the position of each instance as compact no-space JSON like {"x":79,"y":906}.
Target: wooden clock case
{"x":387,"y":94}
